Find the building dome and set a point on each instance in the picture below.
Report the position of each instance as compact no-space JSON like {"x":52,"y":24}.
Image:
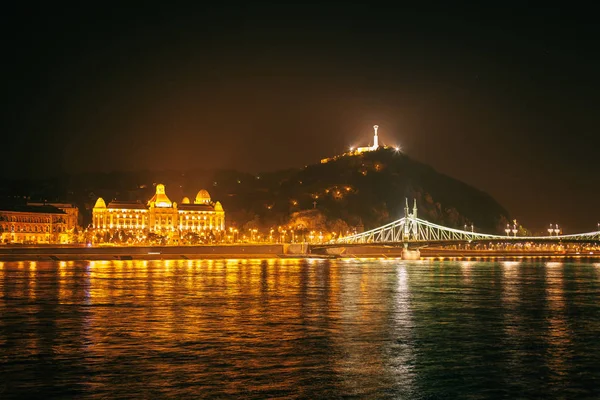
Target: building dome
{"x":100,"y":203}
{"x":160,"y":198}
{"x":202,"y":197}
{"x":218,"y":206}
{"x":185,"y":200}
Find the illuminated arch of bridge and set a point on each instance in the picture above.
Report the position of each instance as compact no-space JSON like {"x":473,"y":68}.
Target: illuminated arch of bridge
{"x":416,"y":232}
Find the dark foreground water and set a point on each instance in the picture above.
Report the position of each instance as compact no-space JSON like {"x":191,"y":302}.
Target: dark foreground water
{"x":298,"y":329}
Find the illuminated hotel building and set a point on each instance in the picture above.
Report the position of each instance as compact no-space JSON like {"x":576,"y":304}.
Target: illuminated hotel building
{"x":33,"y":224}
{"x":160,"y":214}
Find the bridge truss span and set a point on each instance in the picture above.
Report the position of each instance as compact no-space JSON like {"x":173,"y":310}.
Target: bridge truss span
{"x":411,"y":229}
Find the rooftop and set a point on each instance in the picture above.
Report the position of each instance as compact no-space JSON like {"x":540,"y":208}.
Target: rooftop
{"x":43,"y":209}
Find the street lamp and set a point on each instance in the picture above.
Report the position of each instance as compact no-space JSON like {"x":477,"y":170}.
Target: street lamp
{"x":507,"y":230}
{"x":472,"y":228}
{"x":556,"y":230}
{"x":550,"y":230}
{"x":514,"y":229}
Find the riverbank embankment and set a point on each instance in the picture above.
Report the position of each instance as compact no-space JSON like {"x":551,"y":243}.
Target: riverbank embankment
{"x":261,"y":251}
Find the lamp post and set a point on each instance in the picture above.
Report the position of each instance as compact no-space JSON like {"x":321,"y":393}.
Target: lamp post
{"x":556,"y":230}
{"x":514,"y":229}
{"x":472,"y":228}
{"x":550,"y":230}
{"x":507,"y":230}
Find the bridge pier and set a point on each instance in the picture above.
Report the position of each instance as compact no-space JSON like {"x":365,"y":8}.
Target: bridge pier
{"x":411,"y":254}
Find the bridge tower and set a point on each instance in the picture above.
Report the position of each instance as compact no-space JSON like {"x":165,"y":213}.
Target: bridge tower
{"x":415,"y":227}
{"x":407,"y":218}
{"x":414,"y":214}
{"x":410,"y":227}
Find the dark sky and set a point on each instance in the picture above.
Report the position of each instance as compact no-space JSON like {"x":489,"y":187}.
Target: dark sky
{"x":503,"y":98}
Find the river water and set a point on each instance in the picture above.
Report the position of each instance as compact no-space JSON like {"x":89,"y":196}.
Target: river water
{"x":299,"y":329}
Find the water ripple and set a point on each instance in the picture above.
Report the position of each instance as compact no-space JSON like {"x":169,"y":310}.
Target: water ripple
{"x":291,"y":329}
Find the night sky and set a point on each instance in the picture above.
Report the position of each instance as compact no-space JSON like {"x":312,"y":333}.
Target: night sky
{"x":504,"y":99}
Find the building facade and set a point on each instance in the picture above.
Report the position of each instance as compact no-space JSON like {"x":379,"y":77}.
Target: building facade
{"x":33,"y":225}
{"x":72,"y":211}
{"x":160,"y":216}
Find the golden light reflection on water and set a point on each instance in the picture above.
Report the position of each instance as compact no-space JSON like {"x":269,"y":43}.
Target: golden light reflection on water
{"x":513,"y":321}
{"x":403,"y":329}
{"x":466,"y":270}
{"x":559,"y":335}
{"x":282,"y":327}
{"x":32,"y":281}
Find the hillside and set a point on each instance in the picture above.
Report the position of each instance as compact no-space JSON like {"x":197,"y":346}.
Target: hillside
{"x":351,"y":192}
{"x":365,"y":191}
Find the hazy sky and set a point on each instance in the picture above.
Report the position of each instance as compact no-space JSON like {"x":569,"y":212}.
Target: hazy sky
{"x":504,"y":98}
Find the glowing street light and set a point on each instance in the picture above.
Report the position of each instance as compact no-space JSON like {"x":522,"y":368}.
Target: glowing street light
{"x":556,"y":230}
{"x":507,"y":230}
{"x":550,"y":230}
{"x":514,"y":229}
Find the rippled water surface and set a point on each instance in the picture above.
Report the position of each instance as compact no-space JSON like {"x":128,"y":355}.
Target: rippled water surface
{"x":299,"y":329}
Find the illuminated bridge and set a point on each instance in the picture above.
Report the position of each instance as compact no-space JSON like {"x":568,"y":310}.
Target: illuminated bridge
{"x":414,"y":233}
